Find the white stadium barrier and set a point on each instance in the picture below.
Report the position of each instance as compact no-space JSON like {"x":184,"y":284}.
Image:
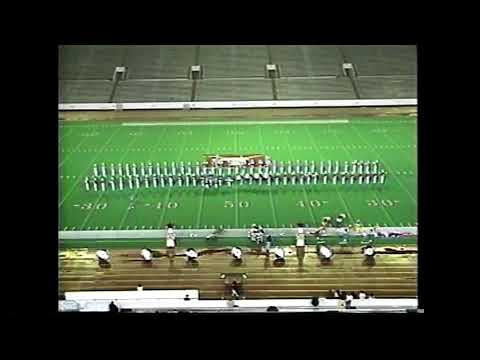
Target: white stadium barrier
{"x":202,"y":233}
{"x":151,"y":300}
{"x":237,"y":104}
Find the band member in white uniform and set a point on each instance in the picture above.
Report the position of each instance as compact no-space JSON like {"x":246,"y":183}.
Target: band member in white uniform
{"x":103,"y":256}
{"x":146,"y":254}
{"x":191,"y":255}
{"x":325,"y":252}
{"x":279,"y":254}
{"x":369,"y":251}
{"x":236,"y":253}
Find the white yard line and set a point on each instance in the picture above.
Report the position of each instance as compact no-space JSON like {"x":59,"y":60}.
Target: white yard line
{"x":374,"y":191}
{"x":400,"y":147}
{"x":164,"y":210}
{"x":269,"y":190}
{"x":305,"y":197}
{"x":200,"y":208}
{"x":349,"y":213}
{"x":221,"y":123}
{"x":85,"y":221}
{"x":125,"y":214}
{"x":68,"y":154}
{"x":66,"y":133}
{"x":237,"y":217}
{"x":392,"y":173}
{"x":87,"y":168}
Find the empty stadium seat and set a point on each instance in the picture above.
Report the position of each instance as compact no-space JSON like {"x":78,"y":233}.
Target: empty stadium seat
{"x":307,"y":60}
{"x":152,"y":91}
{"x":89,"y":62}
{"x":84,"y":91}
{"x":238,"y":89}
{"x":159,"y":61}
{"x":399,"y":87}
{"x":382,"y":59}
{"x":232,"y":61}
{"x":315,"y":89}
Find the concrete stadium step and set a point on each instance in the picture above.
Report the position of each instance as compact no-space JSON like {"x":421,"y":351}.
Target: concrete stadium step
{"x":393,"y":275}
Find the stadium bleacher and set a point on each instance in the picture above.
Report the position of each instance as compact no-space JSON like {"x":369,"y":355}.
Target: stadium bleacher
{"x":235,"y":72}
{"x":306,"y":89}
{"x":89,"y":62}
{"x":159,"y":61}
{"x":307,"y":60}
{"x":84,"y":91}
{"x":153,"y":91}
{"x":233,"y":61}
{"x":234,"y":89}
{"x":387,"y":87}
{"x":382,"y":59}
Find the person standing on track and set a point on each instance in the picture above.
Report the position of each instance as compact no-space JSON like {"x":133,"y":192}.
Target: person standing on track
{"x":171,"y":241}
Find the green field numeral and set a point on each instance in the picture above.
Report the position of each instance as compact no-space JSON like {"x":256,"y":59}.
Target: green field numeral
{"x":283,"y":132}
{"x":235,"y":132}
{"x":231,"y":204}
{"x":169,"y":205}
{"x":384,"y":203}
{"x":185,"y":132}
{"x":90,"y":206}
{"x":311,"y":203}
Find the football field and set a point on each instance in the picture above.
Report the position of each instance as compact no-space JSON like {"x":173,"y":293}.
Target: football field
{"x":390,"y":140}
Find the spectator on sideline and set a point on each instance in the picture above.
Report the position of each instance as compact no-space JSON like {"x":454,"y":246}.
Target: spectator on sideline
{"x":362,"y":295}
{"x":187,"y":297}
{"x":112,"y":307}
{"x":171,"y":242}
{"x":348,"y":300}
{"x":139,"y":287}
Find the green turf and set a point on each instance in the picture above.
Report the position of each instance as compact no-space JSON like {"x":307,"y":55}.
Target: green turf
{"x":390,"y":140}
